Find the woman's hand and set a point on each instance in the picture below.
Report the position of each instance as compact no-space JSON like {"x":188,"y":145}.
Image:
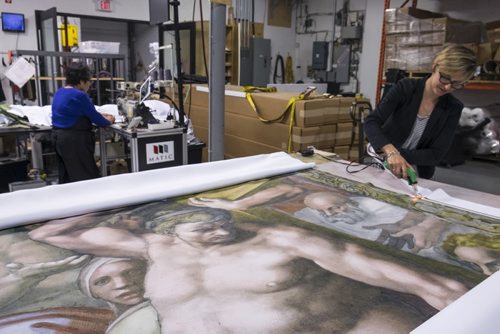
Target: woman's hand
{"x":398,"y":165}
{"x":109,"y":117}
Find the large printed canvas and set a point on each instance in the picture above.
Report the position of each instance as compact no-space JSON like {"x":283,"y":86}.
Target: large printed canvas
{"x":281,"y":255}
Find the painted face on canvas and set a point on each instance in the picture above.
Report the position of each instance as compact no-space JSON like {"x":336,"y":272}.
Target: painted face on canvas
{"x":216,"y":231}
{"x":334,"y":207}
{"x":119,"y":282}
{"x":487,"y":259}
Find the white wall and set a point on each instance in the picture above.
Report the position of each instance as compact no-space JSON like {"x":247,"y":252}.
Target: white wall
{"x":126,"y":9}
{"x":478,"y":10}
{"x":284,"y":40}
{"x":143,"y":36}
{"x":305,"y":41}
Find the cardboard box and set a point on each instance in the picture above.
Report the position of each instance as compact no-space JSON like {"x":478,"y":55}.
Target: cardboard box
{"x":411,"y":58}
{"x":308,"y":113}
{"x":493,"y":36}
{"x":402,"y":14}
{"x":347,"y":152}
{"x":311,"y":112}
{"x":235,"y":146}
{"x":272,"y":134}
{"x":414,"y":21}
{"x":342,"y":151}
{"x":426,"y":38}
{"x":199,"y":115}
{"x":345,"y":134}
{"x":277,"y":134}
{"x":484,"y":53}
{"x":492,"y":25}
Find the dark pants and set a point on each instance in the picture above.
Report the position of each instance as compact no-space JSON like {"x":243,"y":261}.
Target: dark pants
{"x":75,"y":152}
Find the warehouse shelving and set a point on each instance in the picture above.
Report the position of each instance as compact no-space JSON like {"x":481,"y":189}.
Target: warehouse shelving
{"x":107,"y":68}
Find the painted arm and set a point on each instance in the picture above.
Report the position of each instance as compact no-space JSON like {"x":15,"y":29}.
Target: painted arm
{"x":81,"y":234}
{"x":418,"y":234}
{"x":21,"y":277}
{"x":258,"y":198}
{"x":374,"y":268}
{"x":425,"y":234}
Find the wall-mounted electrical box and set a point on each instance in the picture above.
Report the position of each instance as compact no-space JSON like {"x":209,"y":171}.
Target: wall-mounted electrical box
{"x":351,"y":32}
{"x":342,"y":62}
{"x":320,"y":56}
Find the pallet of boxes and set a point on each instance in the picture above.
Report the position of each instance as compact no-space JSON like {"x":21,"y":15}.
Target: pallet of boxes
{"x":414,"y":36}
{"x":264,"y":122}
{"x":491,"y":67}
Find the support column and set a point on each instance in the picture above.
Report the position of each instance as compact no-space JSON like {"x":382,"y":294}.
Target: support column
{"x":216,"y":82}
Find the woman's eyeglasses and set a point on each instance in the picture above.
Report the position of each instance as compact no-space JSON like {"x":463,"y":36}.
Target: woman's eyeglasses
{"x":446,"y":80}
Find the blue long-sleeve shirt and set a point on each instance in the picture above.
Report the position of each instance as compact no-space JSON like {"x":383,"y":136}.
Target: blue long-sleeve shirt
{"x":70,"y":104}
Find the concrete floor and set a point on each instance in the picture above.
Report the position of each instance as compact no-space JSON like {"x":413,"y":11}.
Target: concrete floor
{"x":473,"y":174}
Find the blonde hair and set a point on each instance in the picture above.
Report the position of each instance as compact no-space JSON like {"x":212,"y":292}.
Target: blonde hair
{"x":470,"y":240}
{"x":456,"y":59}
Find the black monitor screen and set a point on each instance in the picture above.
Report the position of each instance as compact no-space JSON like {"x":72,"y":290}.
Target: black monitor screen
{"x":13,"y":22}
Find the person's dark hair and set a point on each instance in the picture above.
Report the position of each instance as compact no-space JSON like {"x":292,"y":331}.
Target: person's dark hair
{"x":77,"y":72}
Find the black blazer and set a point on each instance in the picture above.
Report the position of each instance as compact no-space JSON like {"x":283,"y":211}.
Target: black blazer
{"x":392,"y":120}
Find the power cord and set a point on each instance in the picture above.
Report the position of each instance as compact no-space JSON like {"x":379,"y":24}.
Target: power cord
{"x":349,"y":165}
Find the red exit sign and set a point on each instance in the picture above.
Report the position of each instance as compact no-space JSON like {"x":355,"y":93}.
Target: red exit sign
{"x":104,"y":5}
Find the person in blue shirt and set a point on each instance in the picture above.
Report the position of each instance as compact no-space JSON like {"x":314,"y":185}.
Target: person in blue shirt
{"x":73,"y":114}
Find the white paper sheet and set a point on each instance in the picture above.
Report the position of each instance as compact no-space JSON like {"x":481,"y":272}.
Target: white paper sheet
{"x":36,"y":115}
{"x":475,"y":312}
{"x":20,"y":72}
{"x":384,"y":180}
{"x":29,"y":206}
{"x":441,"y":196}
{"x":227,"y":92}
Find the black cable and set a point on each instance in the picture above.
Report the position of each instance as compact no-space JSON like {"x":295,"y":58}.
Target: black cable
{"x":203,"y":39}
{"x":190,"y":101}
{"x":171,"y":100}
{"x":279,"y":60}
{"x":253,"y":18}
{"x":350,"y":164}
{"x":194,"y":9}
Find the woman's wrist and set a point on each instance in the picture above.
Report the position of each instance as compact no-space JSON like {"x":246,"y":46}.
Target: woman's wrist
{"x":391,"y":153}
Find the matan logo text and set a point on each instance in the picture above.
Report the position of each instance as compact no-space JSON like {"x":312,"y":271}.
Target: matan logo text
{"x":160,"y":152}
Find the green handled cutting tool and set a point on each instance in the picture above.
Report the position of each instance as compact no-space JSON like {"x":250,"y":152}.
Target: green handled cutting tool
{"x":411,"y":176}
{"x":410,"y":172}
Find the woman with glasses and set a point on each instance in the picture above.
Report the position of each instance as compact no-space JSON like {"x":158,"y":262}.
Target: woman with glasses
{"x":415,"y":122}
{"x":73,"y":114}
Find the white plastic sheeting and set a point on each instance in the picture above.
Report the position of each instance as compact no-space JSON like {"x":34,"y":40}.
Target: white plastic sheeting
{"x":34,"y":205}
{"x":475,"y":312}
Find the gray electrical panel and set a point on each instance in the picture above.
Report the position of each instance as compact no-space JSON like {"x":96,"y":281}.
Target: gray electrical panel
{"x":245,"y":67}
{"x":320,"y":56}
{"x":342,"y":62}
{"x":261,"y":61}
{"x":255,"y":63}
{"x":351,"y":32}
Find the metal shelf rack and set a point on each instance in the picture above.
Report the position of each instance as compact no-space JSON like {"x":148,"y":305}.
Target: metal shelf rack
{"x":49,"y":73}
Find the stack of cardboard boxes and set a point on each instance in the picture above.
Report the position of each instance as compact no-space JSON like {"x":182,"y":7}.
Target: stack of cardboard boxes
{"x":414,"y":36}
{"x":324,"y":123}
{"x":493,"y":35}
